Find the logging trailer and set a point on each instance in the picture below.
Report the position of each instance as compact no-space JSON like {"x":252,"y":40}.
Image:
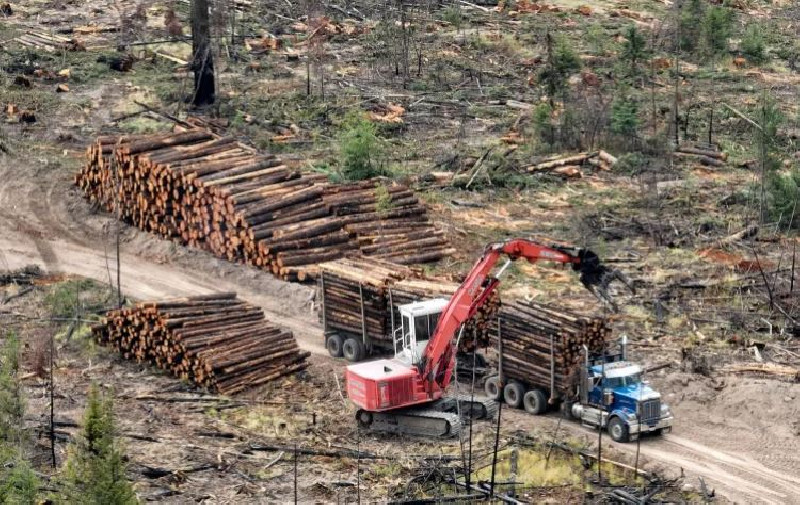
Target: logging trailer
{"x":406,"y":394}
{"x":357,"y":346}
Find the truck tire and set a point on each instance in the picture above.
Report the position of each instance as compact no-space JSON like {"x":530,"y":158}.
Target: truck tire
{"x":618,"y":430}
{"x":513,"y":393}
{"x":535,"y":402}
{"x":492,"y":388}
{"x":353,"y":350}
{"x":334,"y":345}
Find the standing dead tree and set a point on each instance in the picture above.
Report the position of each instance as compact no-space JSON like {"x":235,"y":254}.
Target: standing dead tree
{"x":202,"y":60}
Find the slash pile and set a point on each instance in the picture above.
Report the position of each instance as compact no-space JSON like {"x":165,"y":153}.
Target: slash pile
{"x":217,"y":341}
{"x":349,"y":285}
{"x":216,"y":194}
{"x":528,"y":329}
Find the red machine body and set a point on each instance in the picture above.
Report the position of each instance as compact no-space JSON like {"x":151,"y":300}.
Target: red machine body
{"x":388,"y":384}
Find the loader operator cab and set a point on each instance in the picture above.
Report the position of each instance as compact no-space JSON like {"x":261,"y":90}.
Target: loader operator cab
{"x":418,"y":321}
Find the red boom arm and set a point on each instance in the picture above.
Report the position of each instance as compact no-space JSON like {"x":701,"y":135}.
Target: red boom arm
{"x":437,"y":362}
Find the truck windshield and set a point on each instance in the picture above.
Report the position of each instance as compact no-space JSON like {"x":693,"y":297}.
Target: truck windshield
{"x":628,"y":380}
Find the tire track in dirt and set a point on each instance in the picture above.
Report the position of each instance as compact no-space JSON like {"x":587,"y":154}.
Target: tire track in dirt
{"x":742,"y":477}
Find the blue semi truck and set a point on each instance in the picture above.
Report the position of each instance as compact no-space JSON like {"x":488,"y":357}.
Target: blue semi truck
{"x":610,"y":392}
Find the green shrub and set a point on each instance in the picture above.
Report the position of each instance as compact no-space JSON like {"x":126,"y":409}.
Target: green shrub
{"x":360,"y":149}
{"x":63,"y":299}
{"x":784,"y":190}
{"x":383,"y":200}
{"x":630,"y":163}
{"x":452,"y":15}
{"x":597,"y":38}
{"x":19,"y":484}
{"x":753,"y":45}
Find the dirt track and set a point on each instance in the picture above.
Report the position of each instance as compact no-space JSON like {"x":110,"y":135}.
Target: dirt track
{"x":43,"y":220}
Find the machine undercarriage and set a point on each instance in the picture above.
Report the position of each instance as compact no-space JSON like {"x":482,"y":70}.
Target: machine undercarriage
{"x":442,"y":418}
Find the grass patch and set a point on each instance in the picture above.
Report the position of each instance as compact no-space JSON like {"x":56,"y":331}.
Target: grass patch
{"x":534,"y":470}
{"x":68,"y":298}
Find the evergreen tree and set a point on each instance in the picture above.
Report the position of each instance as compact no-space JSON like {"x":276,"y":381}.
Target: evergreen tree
{"x":691,"y":29}
{"x":623,"y":115}
{"x":94,"y":473}
{"x":543,"y":124}
{"x":717,"y":24}
{"x":12,"y":403}
{"x":18,"y":482}
{"x":562,"y":61}
{"x":633,"y":48}
{"x":753,"y":45}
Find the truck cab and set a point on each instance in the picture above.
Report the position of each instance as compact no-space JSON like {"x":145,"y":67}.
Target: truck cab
{"x":615,"y":397}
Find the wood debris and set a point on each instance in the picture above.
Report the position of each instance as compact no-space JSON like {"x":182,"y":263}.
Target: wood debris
{"x":570,"y":165}
{"x":765,"y":369}
{"x":216,"y":341}
{"x":389,"y":113}
{"x":23,"y":276}
{"x":705,"y":155}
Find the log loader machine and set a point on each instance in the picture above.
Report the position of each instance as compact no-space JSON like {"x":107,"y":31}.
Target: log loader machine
{"x":406,"y":394}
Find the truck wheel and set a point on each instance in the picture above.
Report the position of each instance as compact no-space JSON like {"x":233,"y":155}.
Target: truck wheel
{"x":334,"y":345}
{"x":513,"y":393}
{"x":618,"y":430}
{"x":535,"y":402}
{"x":492,"y":388}
{"x":353,"y":350}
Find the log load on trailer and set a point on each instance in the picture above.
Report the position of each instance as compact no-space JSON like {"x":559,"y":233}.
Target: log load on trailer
{"x":548,"y":357}
{"x":366,"y":305}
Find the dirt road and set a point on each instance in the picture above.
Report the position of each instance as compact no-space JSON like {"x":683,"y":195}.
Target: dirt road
{"x":44,"y":221}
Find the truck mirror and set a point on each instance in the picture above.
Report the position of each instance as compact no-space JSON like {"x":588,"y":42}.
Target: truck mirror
{"x":608,"y":398}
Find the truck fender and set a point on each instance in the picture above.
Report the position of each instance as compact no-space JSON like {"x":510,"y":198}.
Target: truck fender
{"x":624,"y":415}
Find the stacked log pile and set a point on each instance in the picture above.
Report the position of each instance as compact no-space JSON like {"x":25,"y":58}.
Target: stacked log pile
{"x":383,"y":286}
{"x":528,"y":329}
{"x":217,"y":341}
{"x":215,"y":194}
